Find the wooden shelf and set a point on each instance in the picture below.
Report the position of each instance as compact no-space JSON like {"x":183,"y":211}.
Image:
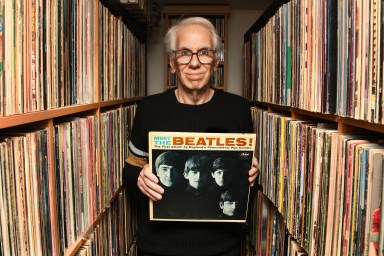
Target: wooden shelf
{"x":263,"y":19}
{"x":71,"y":251}
{"x":135,"y":20}
{"x":298,"y":113}
{"x":16,"y":120}
{"x":85,"y":145}
{"x":311,"y":171}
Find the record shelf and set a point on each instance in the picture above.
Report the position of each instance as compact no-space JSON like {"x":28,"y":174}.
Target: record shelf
{"x":71,"y":75}
{"x":313,"y":74}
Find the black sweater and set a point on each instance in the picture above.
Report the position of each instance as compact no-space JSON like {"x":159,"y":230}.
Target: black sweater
{"x":225,"y":112}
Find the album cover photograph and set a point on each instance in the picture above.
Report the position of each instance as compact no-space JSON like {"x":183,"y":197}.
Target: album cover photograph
{"x":204,"y":175}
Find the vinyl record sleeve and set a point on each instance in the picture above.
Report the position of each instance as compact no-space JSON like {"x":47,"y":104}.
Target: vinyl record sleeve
{"x":204,"y":175}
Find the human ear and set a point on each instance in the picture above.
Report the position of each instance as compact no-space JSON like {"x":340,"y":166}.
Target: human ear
{"x":172,"y":64}
{"x":221,"y":205}
{"x":216,"y":64}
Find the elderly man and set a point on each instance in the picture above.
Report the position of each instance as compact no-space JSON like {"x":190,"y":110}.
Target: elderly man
{"x":194,"y":106}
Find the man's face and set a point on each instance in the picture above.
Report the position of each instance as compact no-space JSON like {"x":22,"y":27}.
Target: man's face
{"x":229,"y":207}
{"x":222,"y":177}
{"x":168,"y":175}
{"x":197,"y":178}
{"x":194,"y":75}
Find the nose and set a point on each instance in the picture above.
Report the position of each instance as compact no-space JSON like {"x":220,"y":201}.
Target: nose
{"x":194,"y":61}
{"x":168,"y":173}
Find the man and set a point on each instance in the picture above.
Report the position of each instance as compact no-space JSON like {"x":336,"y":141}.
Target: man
{"x":199,"y":203}
{"x":223,"y":171}
{"x":169,"y":168}
{"x":196,"y":171}
{"x":193,"y":45}
{"x":231,"y":205}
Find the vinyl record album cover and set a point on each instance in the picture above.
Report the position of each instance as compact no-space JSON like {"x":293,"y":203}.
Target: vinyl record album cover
{"x":204,"y":175}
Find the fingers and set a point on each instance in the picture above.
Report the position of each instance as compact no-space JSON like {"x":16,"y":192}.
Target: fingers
{"x":147,"y":183}
{"x":253,"y":172}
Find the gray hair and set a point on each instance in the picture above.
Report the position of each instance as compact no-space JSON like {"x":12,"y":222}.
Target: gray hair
{"x":170,"y":37}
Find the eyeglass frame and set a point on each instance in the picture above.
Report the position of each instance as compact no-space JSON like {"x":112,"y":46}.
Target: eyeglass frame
{"x":195,"y":53}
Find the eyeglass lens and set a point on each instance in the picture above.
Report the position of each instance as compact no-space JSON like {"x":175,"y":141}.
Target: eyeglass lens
{"x":185,"y":56}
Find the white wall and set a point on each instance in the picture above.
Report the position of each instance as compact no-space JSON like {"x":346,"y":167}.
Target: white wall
{"x":155,"y":59}
{"x":238,"y":23}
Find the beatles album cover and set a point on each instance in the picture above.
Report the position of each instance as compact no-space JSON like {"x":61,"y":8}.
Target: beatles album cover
{"x":204,"y":175}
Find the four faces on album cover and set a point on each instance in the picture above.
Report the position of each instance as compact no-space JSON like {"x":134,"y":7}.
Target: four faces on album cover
{"x":201,"y":185}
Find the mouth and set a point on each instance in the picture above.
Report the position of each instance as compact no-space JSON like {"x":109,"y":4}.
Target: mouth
{"x":195,"y":76}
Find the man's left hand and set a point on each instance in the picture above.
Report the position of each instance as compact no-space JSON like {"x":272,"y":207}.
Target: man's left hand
{"x":253,"y":172}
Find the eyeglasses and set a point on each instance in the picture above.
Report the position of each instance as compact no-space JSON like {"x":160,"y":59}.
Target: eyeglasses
{"x":185,"y":56}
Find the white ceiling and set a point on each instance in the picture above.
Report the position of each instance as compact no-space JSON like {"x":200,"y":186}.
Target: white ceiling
{"x":234,"y":4}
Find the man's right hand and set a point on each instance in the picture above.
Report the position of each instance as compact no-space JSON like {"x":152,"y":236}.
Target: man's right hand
{"x":148,"y":184}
